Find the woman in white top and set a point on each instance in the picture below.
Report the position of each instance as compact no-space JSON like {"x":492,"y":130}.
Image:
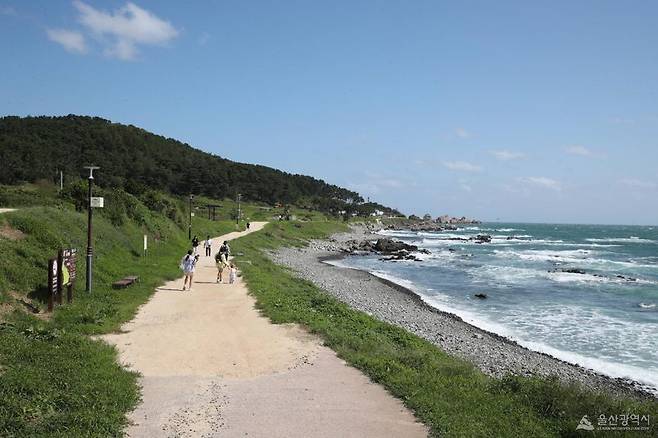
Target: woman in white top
{"x":187,"y":264}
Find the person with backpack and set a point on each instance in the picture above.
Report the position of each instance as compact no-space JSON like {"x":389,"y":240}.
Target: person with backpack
{"x":221,"y":260}
{"x":188,"y":264}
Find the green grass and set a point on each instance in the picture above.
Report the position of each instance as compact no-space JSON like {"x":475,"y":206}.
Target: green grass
{"x":449,"y":395}
{"x":54,"y":379}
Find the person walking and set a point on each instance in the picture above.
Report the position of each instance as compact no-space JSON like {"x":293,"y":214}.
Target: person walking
{"x":221,"y":260}
{"x":208,"y":245}
{"x":188,"y":264}
{"x":248,"y":225}
{"x":195,"y":245}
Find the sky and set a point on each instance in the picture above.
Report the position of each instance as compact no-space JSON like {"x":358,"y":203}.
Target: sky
{"x":542,"y":111}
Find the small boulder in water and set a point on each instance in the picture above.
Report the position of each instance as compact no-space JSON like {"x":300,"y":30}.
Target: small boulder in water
{"x":481,"y":296}
{"x":573,"y":271}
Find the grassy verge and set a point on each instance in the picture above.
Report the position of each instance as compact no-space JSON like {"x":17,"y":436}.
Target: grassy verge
{"x":55,"y":380}
{"x":449,"y":395}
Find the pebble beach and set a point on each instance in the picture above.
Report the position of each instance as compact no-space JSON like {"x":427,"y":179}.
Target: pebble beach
{"x":494,"y":355}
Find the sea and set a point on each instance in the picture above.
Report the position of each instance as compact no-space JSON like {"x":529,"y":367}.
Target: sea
{"x":586,"y":294}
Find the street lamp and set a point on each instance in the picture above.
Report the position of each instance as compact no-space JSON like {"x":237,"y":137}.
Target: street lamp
{"x":90,"y":250}
{"x":189,"y":230}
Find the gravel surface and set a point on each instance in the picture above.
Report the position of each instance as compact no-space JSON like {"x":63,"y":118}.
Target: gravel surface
{"x":493,"y":354}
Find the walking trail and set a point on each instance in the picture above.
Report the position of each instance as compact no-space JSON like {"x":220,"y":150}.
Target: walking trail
{"x":212,"y":366}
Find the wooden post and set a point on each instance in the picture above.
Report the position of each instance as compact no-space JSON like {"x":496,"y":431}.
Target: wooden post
{"x":69,"y":293}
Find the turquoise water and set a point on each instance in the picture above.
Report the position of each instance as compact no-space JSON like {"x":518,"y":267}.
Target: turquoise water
{"x":605,"y":319}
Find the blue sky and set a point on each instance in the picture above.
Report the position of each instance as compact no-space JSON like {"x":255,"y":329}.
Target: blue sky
{"x":509,"y":110}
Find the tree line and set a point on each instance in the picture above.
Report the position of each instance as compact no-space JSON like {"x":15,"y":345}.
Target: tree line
{"x":135,"y":160}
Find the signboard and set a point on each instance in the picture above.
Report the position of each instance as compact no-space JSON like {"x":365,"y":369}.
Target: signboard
{"x":97,"y":202}
{"x":69,"y":266}
{"x":61,"y":273}
{"x":192,"y":214}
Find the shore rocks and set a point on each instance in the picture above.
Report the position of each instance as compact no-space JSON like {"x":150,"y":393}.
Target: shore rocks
{"x":389,"y":246}
{"x":481,"y":238}
{"x":394,"y":249}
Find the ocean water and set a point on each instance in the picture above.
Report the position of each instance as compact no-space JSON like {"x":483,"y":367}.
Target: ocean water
{"x":605,"y":319}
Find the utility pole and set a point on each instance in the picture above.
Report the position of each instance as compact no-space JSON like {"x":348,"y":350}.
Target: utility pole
{"x":189,"y":230}
{"x":90,"y":250}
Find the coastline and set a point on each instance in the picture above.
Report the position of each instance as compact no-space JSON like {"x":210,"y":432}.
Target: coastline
{"x":492,"y":353}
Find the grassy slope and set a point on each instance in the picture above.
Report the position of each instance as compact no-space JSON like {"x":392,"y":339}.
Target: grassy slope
{"x":54,"y":380}
{"x":449,"y":395}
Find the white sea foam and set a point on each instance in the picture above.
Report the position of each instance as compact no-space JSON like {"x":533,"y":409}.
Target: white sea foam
{"x":576,"y":255}
{"x":648,"y":305}
{"x":632,"y":239}
{"x":518,"y":275}
{"x":505,"y":274}
{"x":581,"y":257}
{"x":644,"y":375}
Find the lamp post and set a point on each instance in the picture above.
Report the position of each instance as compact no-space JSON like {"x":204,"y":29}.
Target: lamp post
{"x":189,"y":230}
{"x":90,"y":250}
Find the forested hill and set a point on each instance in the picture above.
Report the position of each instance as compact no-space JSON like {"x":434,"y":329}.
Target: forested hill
{"x":34,"y":148}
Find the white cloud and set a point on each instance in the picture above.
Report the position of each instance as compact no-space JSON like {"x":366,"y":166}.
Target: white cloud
{"x":462,"y":166}
{"x":505,"y":155}
{"x":541,"y":181}
{"x":638,"y":184}
{"x":72,"y":41}
{"x":578,"y":150}
{"x":462,"y":133}
{"x":123,"y":30}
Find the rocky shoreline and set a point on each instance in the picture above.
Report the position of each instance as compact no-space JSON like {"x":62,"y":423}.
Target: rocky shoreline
{"x":495,"y":355}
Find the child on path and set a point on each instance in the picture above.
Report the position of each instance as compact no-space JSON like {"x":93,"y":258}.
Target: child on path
{"x":234,"y":273}
{"x":187,"y":264}
{"x":195,"y":245}
{"x":207,"y":244}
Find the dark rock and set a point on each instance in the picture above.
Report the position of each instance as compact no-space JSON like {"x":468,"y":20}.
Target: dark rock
{"x":573,"y":270}
{"x":481,"y":296}
{"x":388,"y":246}
{"x":481,"y":238}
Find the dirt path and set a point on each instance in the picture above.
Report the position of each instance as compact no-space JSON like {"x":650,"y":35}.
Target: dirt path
{"x":6,"y":210}
{"x":211,"y":365}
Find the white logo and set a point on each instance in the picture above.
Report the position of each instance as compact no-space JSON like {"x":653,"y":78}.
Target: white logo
{"x":585,"y":424}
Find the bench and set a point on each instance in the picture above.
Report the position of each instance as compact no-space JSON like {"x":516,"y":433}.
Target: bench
{"x":125,"y":282}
